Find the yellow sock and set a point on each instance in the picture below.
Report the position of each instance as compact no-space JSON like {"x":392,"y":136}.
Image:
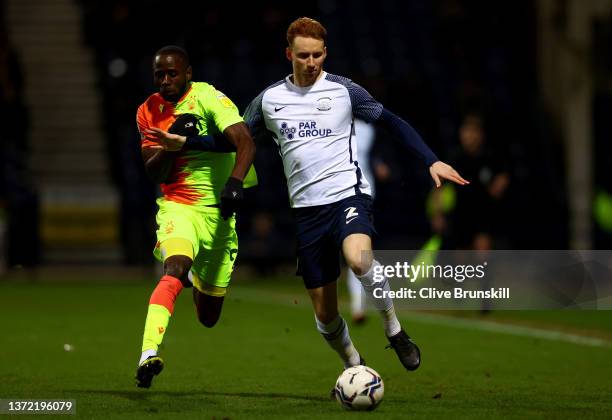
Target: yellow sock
{"x":155,"y":326}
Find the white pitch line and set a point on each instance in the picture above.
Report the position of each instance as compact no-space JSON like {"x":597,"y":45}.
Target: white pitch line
{"x":519,"y":330}
{"x":429,"y":318}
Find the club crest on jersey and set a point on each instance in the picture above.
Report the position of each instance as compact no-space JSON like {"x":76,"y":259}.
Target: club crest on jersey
{"x":324,"y":104}
{"x":224,"y":99}
{"x":305,"y":129}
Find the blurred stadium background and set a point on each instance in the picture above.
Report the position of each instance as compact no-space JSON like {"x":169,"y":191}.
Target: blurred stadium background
{"x":538,"y":73}
{"x":517,"y":95}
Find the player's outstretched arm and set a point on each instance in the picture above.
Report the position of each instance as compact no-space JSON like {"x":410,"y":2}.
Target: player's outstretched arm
{"x":440,"y":170}
{"x":184,"y":133}
{"x":168,"y":141}
{"x":175,"y":142}
{"x":158,"y":160}
{"x":409,"y":136}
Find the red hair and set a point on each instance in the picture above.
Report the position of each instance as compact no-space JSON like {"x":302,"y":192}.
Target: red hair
{"x":306,"y":27}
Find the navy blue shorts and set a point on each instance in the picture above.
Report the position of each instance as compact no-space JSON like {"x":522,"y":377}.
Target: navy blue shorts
{"x":320,"y":232}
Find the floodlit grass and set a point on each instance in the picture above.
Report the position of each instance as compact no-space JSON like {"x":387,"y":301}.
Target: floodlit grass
{"x":265,"y":359}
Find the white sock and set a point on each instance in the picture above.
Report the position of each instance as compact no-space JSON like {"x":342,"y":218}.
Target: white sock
{"x":357,"y":294}
{"x":337,"y":336}
{"x":146,"y":354}
{"x":384,"y":304}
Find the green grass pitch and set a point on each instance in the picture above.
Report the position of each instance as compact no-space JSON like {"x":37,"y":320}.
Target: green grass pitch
{"x":264,"y":359}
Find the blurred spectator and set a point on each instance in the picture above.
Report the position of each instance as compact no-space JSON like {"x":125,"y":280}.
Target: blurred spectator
{"x":262,"y":246}
{"x":476,"y":218}
{"x":18,"y":196}
{"x":125,"y":81}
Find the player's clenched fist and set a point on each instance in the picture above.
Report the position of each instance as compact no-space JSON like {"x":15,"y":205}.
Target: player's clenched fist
{"x":231,"y":197}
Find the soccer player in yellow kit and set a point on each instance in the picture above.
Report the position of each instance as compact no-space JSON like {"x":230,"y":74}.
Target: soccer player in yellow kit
{"x":196,"y":238}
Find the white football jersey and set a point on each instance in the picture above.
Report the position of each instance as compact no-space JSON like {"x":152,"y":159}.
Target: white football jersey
{"x":313,"y":128}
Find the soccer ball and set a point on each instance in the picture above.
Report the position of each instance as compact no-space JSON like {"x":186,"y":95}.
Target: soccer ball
{"x":359,"y":388}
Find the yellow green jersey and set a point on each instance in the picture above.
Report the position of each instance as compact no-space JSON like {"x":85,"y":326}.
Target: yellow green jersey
{"x":197,"y":177}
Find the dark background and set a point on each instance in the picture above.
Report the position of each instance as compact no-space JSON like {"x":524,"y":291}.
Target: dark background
{"x":431,"y":62}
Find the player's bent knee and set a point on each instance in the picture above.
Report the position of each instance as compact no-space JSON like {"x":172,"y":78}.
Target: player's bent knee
{"x":178,"y":266}
{"x":357,"y":251}
{"x":185,"y":281}
{"x":358,"y":266}
{"x":208,"y":308}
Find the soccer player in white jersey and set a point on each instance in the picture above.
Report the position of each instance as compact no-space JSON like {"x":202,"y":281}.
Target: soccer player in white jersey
{"x":310,"y":115}
{"x":364,"y":135}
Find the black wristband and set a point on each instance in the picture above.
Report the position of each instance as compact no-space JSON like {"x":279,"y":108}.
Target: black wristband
{"x":200,"y":142}
{"x":209,"y":143}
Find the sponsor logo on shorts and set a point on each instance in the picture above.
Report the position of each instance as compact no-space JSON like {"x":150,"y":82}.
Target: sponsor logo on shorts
{"x":351,"y":214}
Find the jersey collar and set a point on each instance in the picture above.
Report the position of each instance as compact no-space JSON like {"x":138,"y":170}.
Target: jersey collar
{"x":304,"y":89}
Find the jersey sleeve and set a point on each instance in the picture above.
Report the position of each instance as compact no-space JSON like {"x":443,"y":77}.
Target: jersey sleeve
{"x":364,"y":105}
{"x":408,"y":136}
{"x":253,"y":116}
{"x":142,"y":123}
{"x":221,"y":109}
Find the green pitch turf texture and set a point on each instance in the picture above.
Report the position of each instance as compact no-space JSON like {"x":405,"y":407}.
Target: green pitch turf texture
{"x":264,"y":359}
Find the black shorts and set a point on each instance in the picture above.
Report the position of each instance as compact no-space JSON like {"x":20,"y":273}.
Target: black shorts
{"x":320,"y":232}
